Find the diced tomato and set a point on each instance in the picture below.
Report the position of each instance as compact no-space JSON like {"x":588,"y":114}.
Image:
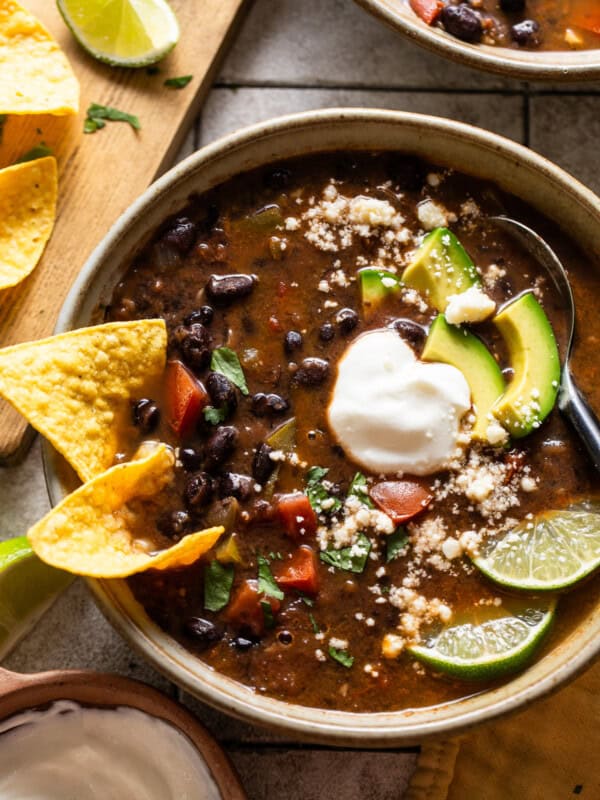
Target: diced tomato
{"x":245,"y":611}
{"x":587,"y":19}
{"x":427,"y":10}
{"x":297,"y":516}
{"x":401,"y":500}
{"x":186,"y":397}
{"x":300,"y":572}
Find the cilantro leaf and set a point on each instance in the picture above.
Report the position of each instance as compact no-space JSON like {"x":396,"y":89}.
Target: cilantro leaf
{"x":396,"y":543}
{"x":218,"y":580}
{"x":215,"y":415}
{"x":178,"y":83}
{"x":266,"y":581}
{"x":318,"y":494}
{"x":227,"y":363}
{"x":360,"y":489}
{"x":96,"y":114}
{"x":308,"y":601}
{"x":39,"y":151}
{"x":350,"y":559}
{"x":342,"y":657}
{"x":267,"y":614}
{"x":314,"y":623}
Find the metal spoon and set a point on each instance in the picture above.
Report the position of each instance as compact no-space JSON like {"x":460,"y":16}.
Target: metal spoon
{"x":571,"y":402}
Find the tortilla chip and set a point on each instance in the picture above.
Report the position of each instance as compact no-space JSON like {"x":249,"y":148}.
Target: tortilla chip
{"x":93,"y":531}
{"x":76,"y":388}
{"x":35,"y":75}
{"x":27,"y":212}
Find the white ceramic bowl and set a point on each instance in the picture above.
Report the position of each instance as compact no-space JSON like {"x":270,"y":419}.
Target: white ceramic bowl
{"x":517,"y":170}
{"x":556,"y":66}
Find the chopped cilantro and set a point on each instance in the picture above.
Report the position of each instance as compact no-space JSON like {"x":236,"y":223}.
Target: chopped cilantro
{"x":39,"y":151}
{"x":396,"y":543}
{"x":218,"y":580}
{"x":276,"y":555}
{"x":319,"y":497}
{"x":314,"y":623}
{"x":308,"y":601}
{"x":266,"y":581}
{"x":342,"y":657}
{"x":360,"y":489}
{"x":97,"y":114}
{"x":178,"y":83}
{"x":351,"y":559}
{"x":227,"y":363}
{"x":215,"y":415}
{"x":268,"y":614}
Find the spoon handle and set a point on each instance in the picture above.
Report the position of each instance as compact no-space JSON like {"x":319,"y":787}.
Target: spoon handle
{"x":574,"y":406}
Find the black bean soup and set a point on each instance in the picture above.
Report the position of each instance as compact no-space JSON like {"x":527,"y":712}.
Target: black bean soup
{"x":258,"y":282}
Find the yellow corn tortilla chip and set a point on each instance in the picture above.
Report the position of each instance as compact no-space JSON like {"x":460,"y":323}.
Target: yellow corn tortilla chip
{"x":27,"y":211}
{"x":35,"y":75}
{"x":93,"y":531}
{"x":76,"y":388}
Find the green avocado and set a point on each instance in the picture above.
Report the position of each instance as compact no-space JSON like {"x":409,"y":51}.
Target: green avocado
{"x":534,"y":359}
{"x":463,"y":350}
{"x":441,"y":267}
{"x":375,"y":286}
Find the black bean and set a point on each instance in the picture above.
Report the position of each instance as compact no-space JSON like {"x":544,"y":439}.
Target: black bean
{"x":146,"y":415}
{"x":191,"y":458}
{"x":326,"y":332}
{"x":204,"y":315}
{"x":512,"y":5}
{"x":173,"y":523}
{"x":202,"y":630}
{"x":220,"y":446}
{"x":407,"y":171}
{"x":292,"y":342}
{"x":242,"y":643}
{"x":194,"y":344}
{"x":198,"y":490}
{"x":262,"y":464}
{"x":312,"y":372}
{"x":227,"y":288}
{"x":181,"y":235}
{"x":347,"y":319}
{"x":222,"y":391}
{"x":266,"y":405}
{"x":285,"y":637}
{"x":526,"y":33}
{"x":463,"y":22}
{"x":411,"y":331}
{"x":278,"y":179}
{"x":231,"y":484}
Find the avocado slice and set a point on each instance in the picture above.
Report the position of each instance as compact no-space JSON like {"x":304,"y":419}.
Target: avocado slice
{"x":465,"y":351}
{"x":375,"y":286}
{"x":441,"y":267}
{"x":534,"y":358}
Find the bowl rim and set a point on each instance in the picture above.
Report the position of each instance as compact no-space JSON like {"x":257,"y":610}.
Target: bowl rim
{"x":308,"y":723}
{"x":562,"y":66}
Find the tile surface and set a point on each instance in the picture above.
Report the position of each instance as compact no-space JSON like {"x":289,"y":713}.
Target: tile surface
{"x":290,"y":57}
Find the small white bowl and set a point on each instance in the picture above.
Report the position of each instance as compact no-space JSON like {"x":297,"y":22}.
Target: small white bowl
{"x":515,"y":169}
{"x":550,"y":65}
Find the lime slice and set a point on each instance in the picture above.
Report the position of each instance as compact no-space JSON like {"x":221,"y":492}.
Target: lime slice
{"x":28,"y":588}
{"x":123,"y":33}
{"x":486,"y":650}
{"x":550,"y":552}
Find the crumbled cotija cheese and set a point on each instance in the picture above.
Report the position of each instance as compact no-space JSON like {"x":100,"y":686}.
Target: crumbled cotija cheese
{"x":432,"y":215}
{"x":338,"y":644}
{"x":357,"y":517}
{"x":472,"y":305}
{"x":417,"y":610}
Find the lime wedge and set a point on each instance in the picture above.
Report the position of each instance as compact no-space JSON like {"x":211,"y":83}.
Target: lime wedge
{"x":123,"y":33}
{"x":28,"y":588}
{"x":550,"y":552}
{"x":486,"y":650}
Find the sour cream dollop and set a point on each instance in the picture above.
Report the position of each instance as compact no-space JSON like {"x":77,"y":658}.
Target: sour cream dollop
{"x":393,"y":413}
{"x":68,"y":752}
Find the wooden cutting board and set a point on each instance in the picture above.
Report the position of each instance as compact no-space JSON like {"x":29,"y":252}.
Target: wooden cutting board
{"x":102,"y":173}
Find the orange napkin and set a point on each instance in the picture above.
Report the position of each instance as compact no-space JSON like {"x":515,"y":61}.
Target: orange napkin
{"x":550,"y":751}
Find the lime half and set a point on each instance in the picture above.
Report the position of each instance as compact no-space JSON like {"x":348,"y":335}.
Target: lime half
{"x":490,"y":649}
{"x":28,"y":588}
{"x":550,"y":552}
{"x":123,"y":33}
